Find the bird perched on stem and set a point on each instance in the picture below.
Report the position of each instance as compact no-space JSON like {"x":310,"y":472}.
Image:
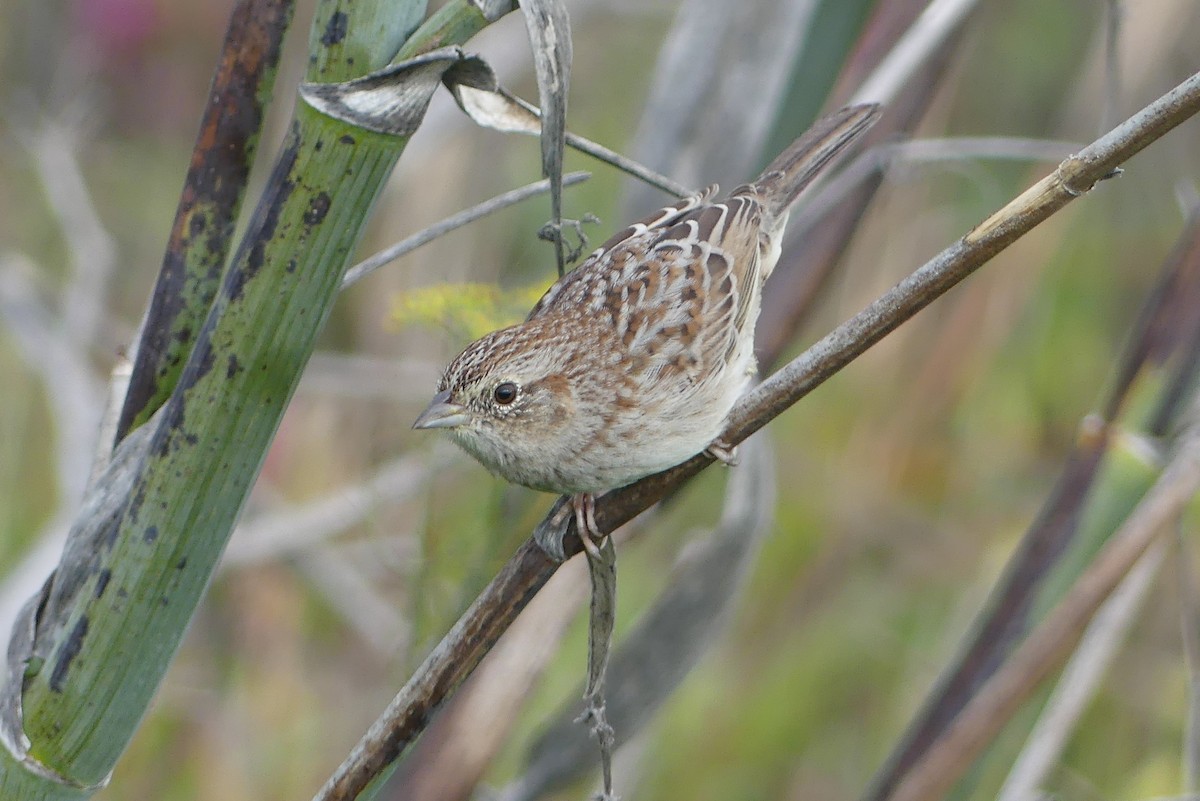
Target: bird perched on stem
{"x":630,"y":363}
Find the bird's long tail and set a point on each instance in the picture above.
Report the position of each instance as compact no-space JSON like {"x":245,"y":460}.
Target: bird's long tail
{"x":794,"y":169}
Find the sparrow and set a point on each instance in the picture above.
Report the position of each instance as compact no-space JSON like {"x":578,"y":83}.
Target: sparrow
{"x":631,"y":363}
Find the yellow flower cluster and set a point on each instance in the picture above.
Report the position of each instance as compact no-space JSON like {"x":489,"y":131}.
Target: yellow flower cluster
{"x":467,"y":311}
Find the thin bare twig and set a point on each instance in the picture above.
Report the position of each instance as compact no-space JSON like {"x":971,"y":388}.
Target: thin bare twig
{"x":529,"y":569}
{"x":628,"y":165}
{"x":500,"y":110}
{"x":409,"y":244}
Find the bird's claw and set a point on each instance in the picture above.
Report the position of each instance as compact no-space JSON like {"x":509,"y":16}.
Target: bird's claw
{"x":551,"y":534}
{"x":585,"y":523}
{"x":723,"y":452}
{"x":553,"y":232}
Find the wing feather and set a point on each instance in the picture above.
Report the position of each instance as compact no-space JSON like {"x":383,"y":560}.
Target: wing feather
{"x":677,"y":288}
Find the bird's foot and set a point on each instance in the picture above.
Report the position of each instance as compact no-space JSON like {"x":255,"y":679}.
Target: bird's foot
{"x":553,"y":232}
{"x":549,"y":536}
{"x":723,"y":452}
{"x":590,"y":535}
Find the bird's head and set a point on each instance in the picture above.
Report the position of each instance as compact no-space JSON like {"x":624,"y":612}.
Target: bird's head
{"x":507,"y":399}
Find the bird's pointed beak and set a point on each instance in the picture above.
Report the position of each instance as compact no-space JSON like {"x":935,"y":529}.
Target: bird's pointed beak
{"x":441,"y":413}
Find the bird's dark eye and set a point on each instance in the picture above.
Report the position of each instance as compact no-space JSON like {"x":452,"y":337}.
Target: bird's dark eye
{"x":505,"y":393}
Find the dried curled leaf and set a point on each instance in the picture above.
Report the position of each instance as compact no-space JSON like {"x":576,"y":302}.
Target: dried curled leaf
{"x":392,"y":100}
{"x":482,"y":98}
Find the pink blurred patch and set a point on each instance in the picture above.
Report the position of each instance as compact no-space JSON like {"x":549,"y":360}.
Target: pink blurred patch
{"x":118,"y":27}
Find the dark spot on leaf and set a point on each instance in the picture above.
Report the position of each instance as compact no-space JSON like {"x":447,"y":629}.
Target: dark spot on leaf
{"x":107,"y":538}
{"x":102,"y":580}
{"x":197,"y":224}
{"x":291,"y":266}
{"x":335,"y":29}
{"x":181,"y":564}
{"x":346,"y":139}
{"x":135,"y":505}
{"x":172,"y":420}
{"x":233,"y":366}
{"x":262,"y":227}
{"x":66,"y":656}
{"x":254,"y":263}
{"x":317,"y":209}
{"x":150,"y":534}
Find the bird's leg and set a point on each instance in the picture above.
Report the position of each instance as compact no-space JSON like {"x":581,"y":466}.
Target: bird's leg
{"x":602,"y":570}
{"x":585,"y":523}
{"x":722,"y":451}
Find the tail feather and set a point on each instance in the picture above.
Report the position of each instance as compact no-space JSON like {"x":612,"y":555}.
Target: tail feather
{"x":794,"y":169}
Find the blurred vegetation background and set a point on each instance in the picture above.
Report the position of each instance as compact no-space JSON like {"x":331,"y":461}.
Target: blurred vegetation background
{"x":904,"y":483}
